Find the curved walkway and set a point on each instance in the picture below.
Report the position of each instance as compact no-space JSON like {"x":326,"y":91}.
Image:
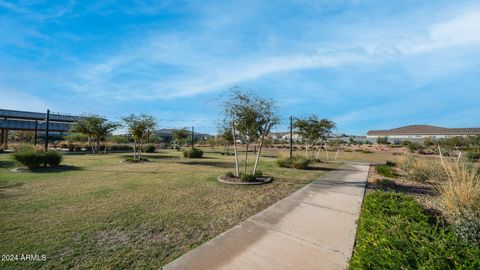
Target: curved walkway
{"x":314,"y":228}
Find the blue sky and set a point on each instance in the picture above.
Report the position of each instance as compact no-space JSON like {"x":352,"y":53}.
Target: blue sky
{"x":364,"y":64}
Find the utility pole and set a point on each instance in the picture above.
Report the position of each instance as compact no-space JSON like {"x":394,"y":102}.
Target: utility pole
{"x":193,"y":135}
{"x":291,"y":136}
{"x":35,"y":135}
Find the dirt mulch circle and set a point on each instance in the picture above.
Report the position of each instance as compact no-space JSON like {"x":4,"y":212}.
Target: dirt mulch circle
{"x":238,"y":181}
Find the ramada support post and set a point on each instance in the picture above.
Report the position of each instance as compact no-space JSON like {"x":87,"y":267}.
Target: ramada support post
{"x":4,"y":138}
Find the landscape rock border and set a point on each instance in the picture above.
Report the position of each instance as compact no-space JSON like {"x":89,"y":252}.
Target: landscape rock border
{"x":266,"y":180}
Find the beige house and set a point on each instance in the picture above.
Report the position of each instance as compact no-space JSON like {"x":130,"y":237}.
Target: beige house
{"x":417,"y":132}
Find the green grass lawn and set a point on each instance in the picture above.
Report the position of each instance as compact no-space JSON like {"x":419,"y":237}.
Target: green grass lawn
{"x":102,"y":213}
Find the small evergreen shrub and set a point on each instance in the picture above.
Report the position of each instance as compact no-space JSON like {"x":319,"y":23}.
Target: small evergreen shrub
{"x":149,"y":148}
{"x":414,"y":146}
{"x":385,"y":182}
{"x":382,"y":140}
{"x":229,"y":174}
{"x":391,"y":163}
{"x":193,"y":153}
{"x":131,"y":159}
{"x":258,"y":173}
{"x":296,"y":162}
{"x":472,"y":156}
{"x":364,"y":151}
{"x":467,"y":226}
{"x":386,"y":171}
{"x":53,"y":158}
{"x":29,"y":156}
{"x":247,"y":177}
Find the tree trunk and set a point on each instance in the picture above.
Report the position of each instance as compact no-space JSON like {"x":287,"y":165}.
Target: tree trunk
{"x":235,"y":150}
{"x":246,"y":158}
{"x":326,"y":151}
{"x":318,"y":151}
{"x":306,"y":150}
{"x":140,"y":149}
{"x":91,"y":145}
{"x":257,"y":158}
{"x":134,"y":149}
{"x":98,"y":145}
{"x":105,"y":150}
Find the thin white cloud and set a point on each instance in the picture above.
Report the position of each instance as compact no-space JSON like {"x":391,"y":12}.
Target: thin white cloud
{"x":203,"y":73}
{"x":51,"y":12}
{"x":18,"y":100}
{"x":461,"y":30}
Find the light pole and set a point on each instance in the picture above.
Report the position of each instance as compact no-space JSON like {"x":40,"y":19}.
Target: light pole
{"x":193,"y":136}
{"x":291,"y":136}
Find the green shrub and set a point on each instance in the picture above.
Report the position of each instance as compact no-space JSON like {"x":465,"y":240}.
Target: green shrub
{"x":1,"y":150}
{"x":149,"y":148}
{"x":296,"y":162}
{"x":365,"y":151}
{"x":193,"y":153}
{"x":382,"y":140}
{"x":391,"y":163}
{"x":259,"y":173}
{"x":414,"y":146}
{"x":467,"y":226}
{"x":131,"y":159}
{"x":385,"y":182}
{"x":394,"y":232}
{"x":229,"y":174}
{"x":472,"y":156}
{"x":248,"y":177}
{"x":53,"y":158}
{"x":386,"y":171}
{"x":29,"y":156}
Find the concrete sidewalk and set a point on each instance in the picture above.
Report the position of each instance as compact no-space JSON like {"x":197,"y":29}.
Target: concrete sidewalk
{"x":314,"y":228}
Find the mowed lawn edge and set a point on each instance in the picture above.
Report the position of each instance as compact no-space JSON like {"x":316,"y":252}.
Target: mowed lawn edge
{"x":99,"y":212}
